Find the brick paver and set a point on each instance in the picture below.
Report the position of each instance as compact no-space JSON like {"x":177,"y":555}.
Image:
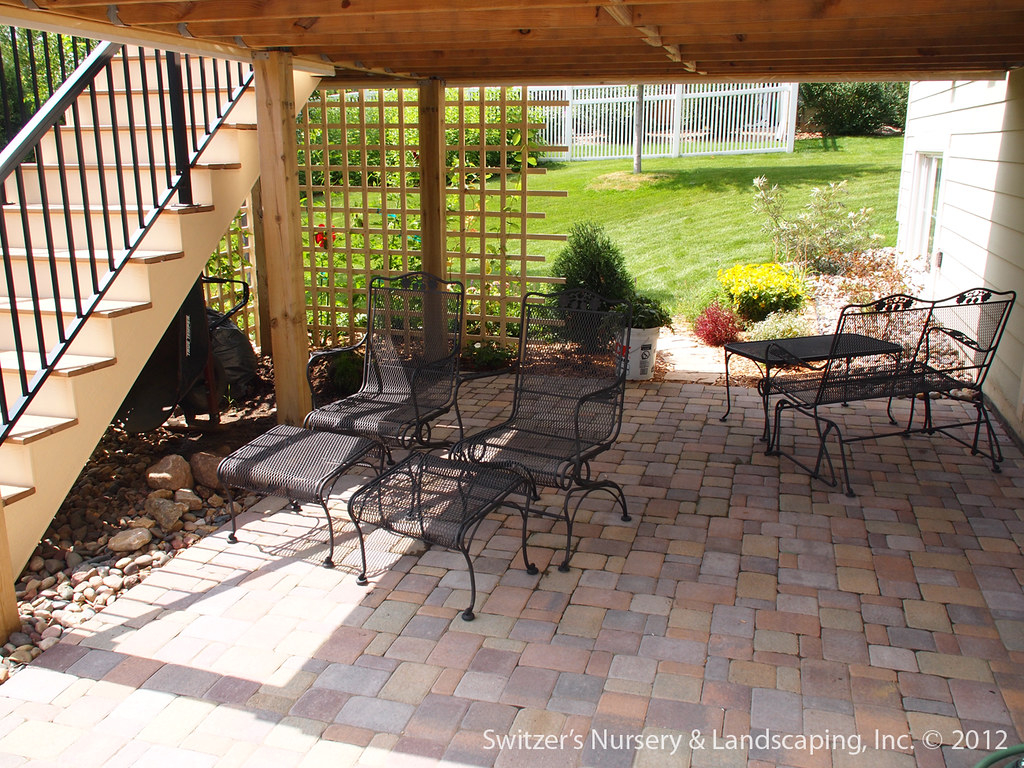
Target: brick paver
{"x":744,"y":599}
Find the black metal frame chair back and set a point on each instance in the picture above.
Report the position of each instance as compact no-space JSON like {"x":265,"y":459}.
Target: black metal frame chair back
{"x":411,"y":364}
{"x":959,"y":348}
{"x":853,"y":372}
{"x":568,"y":399}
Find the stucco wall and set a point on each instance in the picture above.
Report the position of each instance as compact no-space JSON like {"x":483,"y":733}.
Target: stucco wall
{"x":978,"y":128}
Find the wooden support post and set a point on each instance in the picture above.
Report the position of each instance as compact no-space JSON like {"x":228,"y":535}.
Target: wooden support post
{"x":286,"y":295}
{"x":10,"y":621}
{"x":434,"y":209}
{"x":433,"y":177}
{"x":259,"y":252}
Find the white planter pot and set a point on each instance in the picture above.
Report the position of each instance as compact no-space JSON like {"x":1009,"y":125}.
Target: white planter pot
{"x":643,"y":349}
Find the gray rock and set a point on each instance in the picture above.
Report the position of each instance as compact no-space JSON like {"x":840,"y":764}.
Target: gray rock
{"x":36,"y":563}
{"x":171,"y":472}
{"x":204,"y":468}
{"x":130,"y":540}
{"x":18,"y":639}
{"x":165,"y":512}
{"x":73,"y":559}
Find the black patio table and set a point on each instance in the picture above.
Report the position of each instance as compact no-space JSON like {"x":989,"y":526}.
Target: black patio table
{"x":805,"y":349}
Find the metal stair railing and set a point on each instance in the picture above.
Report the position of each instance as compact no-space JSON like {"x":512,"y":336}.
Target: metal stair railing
{"x":141,"y":156}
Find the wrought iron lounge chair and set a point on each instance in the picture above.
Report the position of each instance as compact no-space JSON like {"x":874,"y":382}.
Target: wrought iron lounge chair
{"x":567,"y":402}
{"x":411,"y":364}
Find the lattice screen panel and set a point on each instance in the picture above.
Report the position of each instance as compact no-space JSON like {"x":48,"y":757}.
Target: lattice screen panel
{"x":359,"y":180}
{"x":235,"y":259}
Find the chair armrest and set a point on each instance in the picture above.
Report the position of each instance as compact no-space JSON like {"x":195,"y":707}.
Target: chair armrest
{"x":608,"y":394}
{"x":322,"y":354}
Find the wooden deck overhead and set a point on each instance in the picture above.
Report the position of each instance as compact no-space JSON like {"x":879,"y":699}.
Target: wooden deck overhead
{"x":537,"y":41}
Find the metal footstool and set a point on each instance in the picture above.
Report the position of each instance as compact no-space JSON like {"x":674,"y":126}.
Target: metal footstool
{"x":297,"y":462}
{"x":440,"y":501}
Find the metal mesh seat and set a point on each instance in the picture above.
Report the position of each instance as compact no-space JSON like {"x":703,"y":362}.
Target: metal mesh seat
{"x":567,"y":400}
{"x":411,"y":363}
{"x":439,"y":501}
{"x":296,"y":462}
{"x":942,"y":347}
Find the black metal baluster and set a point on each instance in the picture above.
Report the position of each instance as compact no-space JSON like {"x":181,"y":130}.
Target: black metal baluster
{"x":115,"y":140}
{"x":104,"y":195}
{"x":179,"y":128}
{"x":149,"y":123}
{"x":191,"y":89}
{"x":129,"y":96}
{"x":164,"y":121}
{"x":33,"y":286}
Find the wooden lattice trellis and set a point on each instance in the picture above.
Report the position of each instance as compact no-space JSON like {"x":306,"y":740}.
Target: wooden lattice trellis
{"x":359,"y":169}
{"x":235,"y":259}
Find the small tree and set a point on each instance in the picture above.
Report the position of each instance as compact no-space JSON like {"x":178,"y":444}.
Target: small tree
{"x":854,"y":109}
{"x":593,"y":261}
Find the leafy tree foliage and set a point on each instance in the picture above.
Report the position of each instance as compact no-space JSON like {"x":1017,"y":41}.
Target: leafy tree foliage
{"x":854,"y":109}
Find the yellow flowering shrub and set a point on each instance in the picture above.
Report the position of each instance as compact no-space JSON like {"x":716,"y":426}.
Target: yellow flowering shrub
{"x":757,"y":290}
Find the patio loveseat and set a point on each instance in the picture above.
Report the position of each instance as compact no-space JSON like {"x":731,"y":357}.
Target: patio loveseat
{"x":937,"y":349}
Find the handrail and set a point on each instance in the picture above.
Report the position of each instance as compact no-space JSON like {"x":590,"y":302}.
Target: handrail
{"x":63,"y":258}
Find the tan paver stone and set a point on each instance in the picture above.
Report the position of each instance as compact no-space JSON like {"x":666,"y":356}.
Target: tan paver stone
{"x":331,"y":753}
{"x":752,"y":674}
{"x":959,"y":667}
{"x":949,"y":728}
{"x":787,"y":679}
{"x":410,"y":682}
{"x":757,"y":586}
{"x":926,"y":615}
{"x":582,"y":621}
{"x":776,"y":642}
{"x":837,"y":618}
{"x":676,"y":687}
{"x":940,"y":593}
{"x":696,"y":620}
{"x":859,"y":580}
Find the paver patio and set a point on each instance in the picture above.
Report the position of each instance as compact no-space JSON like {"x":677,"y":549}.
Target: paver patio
{"x":748,"y":615}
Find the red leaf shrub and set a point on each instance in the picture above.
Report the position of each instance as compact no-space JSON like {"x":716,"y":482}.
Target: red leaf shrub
{"x":717,"y":325}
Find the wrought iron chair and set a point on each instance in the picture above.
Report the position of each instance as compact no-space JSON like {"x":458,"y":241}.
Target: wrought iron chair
{"x":411,"y":364}
{"x":939,"y":348}
{"x":849,"y":375}
{"x":958,"y":350}
{"x":567,"y":402}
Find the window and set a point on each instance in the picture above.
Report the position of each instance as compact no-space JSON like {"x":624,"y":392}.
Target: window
{"x":927,"y":184}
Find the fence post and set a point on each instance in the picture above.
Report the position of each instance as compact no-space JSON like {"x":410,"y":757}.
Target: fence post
{"x":568,"y":133}
{"x":677,"y":120}
{"x":794,"y":97}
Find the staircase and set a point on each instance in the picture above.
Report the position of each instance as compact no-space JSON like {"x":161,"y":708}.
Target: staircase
{"x":100,"y":248}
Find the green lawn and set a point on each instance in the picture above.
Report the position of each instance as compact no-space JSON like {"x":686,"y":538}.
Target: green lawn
{"x":687,"y":217}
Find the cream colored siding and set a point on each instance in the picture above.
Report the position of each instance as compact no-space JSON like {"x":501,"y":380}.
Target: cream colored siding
{"x":978,"y":129}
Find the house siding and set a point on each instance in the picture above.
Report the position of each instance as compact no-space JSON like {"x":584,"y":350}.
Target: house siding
{"x":978,"y":129}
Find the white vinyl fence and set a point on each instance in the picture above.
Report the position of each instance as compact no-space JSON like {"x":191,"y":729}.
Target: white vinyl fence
{"x":597,"y":122}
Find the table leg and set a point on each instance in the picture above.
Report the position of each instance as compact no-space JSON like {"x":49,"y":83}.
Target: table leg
{"x":728,"y":398}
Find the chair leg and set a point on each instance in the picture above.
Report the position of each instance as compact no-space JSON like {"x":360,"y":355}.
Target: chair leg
{"x":329,"y":560}
{"x":361,"y":578}
{"x":233,"y":536}
{"x":585,"y":488}
{"x":525,"y":512}
{"x":468,"y":614}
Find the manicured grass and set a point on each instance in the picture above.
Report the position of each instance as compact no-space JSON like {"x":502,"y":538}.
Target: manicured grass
{"x":688,"y":217}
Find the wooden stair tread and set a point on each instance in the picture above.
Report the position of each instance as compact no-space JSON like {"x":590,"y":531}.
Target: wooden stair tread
{"x":231,"y":166}
{"x":106,"y":308}
{"x":30,"y":427}
{"x":13,"y":493}
{"x":141,"y":257}
{"x":100,"y":211}
{"x":69,"y":365}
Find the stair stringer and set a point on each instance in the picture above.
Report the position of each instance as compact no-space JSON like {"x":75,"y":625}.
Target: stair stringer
{"x":53,"y":461}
